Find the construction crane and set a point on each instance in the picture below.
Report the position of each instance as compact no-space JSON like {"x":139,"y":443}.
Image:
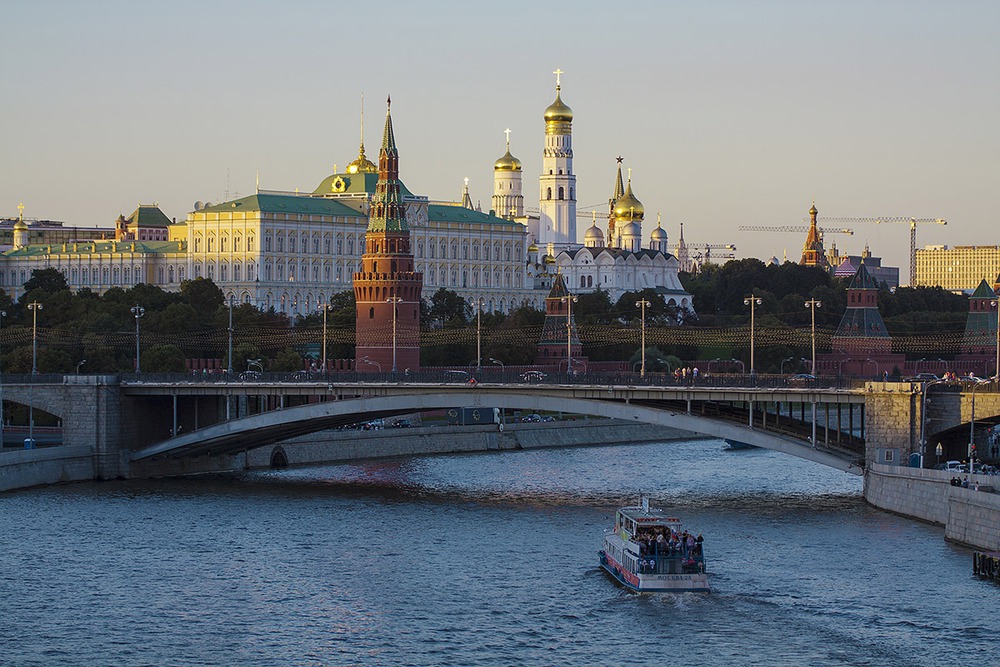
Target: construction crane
{"x":913,"y":222}
{"x":795,"y":229}
{"x":703,"y":251}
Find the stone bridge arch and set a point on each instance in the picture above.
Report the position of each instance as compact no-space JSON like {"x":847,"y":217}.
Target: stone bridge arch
{"x":275,"y":426}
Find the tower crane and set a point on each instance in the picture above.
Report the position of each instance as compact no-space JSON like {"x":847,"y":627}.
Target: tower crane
{"x":703,"y":251}
{"x":913,"y":222}
{"x":795,"y":229}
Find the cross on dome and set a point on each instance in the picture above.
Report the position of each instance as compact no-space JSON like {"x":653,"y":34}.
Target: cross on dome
{"x":558,"y":73}
{"x":507,"y":133}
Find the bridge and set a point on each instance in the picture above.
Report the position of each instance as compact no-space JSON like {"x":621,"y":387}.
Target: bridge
{"x":128,"y":420}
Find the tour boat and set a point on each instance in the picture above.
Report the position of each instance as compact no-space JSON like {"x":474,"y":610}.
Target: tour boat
{"x":635,"y":558}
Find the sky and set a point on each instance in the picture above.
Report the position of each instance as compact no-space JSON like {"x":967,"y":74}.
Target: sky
{"x":729,"y":113}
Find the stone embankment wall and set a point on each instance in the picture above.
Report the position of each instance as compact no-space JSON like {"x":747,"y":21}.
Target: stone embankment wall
{"x":969,"y":516}
{"x":349,"y":445}
{"x":76,"y":463}
{"x":48,"y":465}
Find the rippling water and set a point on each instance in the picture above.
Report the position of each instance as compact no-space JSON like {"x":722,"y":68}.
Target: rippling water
{"x":487,"y":559}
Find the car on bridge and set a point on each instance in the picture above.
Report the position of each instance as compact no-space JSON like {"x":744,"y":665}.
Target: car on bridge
{"x":924,"y":377}
{"x":533,"y":376}
{"x":802,"y":380}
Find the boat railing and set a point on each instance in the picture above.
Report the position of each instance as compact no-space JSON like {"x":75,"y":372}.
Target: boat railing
{"x":672,"y":561}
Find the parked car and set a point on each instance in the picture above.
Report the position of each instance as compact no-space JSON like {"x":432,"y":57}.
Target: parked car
{"x":533,"y":376}
{"x":802,"y":380}
{"x":924,"y":377}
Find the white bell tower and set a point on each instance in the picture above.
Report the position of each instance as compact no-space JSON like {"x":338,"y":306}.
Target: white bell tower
{"x":508,"y":202}
{"x":557,"y":184}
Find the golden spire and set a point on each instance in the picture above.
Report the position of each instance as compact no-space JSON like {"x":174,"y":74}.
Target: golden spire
{"x":362,"y":165}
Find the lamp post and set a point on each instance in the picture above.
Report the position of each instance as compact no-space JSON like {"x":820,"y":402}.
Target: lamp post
{"x":813,"y":304}
{"x":996,"y":306}
{"x":785,"y":361}
{"x":752,"y":301}
{"x":229,"y":367}
{"x":372,"y":363}
{"x":569,"y":301}
{"x":139,"y":311}
{"x":643,"y":304}
{"x":972,"y":424}
{"x":80,"y":363}
{"x":872,"y":361}
{"x":498,"y":363}
{"x":325,"y":308}
{"x":923,"y":418}
{"x":34,"y":307}
{"x":3,"y":314}
{"x":395,"y":301}
{"x":479,"y":334}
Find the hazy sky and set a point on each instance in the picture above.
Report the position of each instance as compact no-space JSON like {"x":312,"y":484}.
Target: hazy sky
{"x":729,"y":113}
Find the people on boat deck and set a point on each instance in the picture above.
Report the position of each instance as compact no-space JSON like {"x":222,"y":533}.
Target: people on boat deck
{"x":665,"y":543}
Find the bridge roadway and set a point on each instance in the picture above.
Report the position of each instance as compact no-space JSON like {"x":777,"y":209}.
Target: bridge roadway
{"x":818,"y":424}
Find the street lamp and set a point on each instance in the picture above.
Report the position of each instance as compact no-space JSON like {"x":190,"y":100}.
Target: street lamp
{"x":255,"y":362}
{"x":81,"y":363}
{"x":569,"y":301}
{"x":325,"y":308}
{"x":785,"y":361}
{"x":139,"y":311}
{"x":479,"y":334}
{"x":972,"y":424}
{"x":923,"y":418}
{"x":229,"y":367}
{"x":872,"y":361}
{"x":3,"y":314}
{"x":752,"y":301}
{"x":395,"y":301}
{"x":813,"y":304}
{"x":996,"y":306}
{"x":34,"y":307}
{"x":372,"y":363}
{"x":643,"y":304}
{"x":498,"y":363}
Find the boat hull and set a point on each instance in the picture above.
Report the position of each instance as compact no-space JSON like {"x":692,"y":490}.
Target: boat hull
{"x":693,"y":582}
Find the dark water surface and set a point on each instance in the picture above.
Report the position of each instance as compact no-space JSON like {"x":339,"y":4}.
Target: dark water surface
{"x":486,"y":559}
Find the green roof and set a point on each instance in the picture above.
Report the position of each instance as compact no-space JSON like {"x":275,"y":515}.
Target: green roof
{"x":98,"y":247}
{"x":360,"y":183}
{"x":148,"y":216}
{"x":268,"y":203}
{"x":984,"y":291}
{"x":447,"y":213}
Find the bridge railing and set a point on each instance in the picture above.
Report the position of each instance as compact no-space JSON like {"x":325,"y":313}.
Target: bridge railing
{"x":493,"y":375}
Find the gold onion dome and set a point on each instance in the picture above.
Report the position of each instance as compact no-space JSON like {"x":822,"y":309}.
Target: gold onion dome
{"x":558,"y":111}
{"x":21,"y":225}
{"x":362,"y":165}
{"x":628,"y":207}
{"x":549,"y":259}
{"x":507,"y":163}
{"x":532,"y":248}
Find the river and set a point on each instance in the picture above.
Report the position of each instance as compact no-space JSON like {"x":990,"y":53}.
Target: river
{"x":483,"y":559}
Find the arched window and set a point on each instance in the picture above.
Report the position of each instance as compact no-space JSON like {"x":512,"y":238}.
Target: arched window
{"x":371,"y":313}
{"x":548,"y":193}
{"x":571,"y":193}
{"x":560,"y":192}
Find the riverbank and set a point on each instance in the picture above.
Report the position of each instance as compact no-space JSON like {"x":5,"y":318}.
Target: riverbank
{"x":21,"y":469}
{"x":969,"y":516}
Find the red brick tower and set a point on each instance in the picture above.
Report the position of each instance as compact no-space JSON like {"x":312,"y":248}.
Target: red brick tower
{"x":554,"y":344}
{"x":387,"y":289}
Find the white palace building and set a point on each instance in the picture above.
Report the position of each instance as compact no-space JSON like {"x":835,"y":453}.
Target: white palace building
{"x":292,"y":251}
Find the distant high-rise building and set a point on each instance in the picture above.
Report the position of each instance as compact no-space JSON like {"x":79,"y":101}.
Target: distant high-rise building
{"x":958,"y":269}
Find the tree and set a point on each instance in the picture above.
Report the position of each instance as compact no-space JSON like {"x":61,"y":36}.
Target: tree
{"x":203,"y":295}
{"x":288,"y":361}
{"x":163,"y":359}
{"x":449,"y":308}
{"x":50,"y":280}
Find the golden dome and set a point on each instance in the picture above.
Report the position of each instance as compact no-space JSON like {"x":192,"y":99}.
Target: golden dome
{"x":507,"y":163}
{"x":532,"y":248}
{"x":21,"y":225}
{"x":558,"y":111}
{"x":549,"y":259}
{"x":628,"y":207}
{"x":362,"y":165}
